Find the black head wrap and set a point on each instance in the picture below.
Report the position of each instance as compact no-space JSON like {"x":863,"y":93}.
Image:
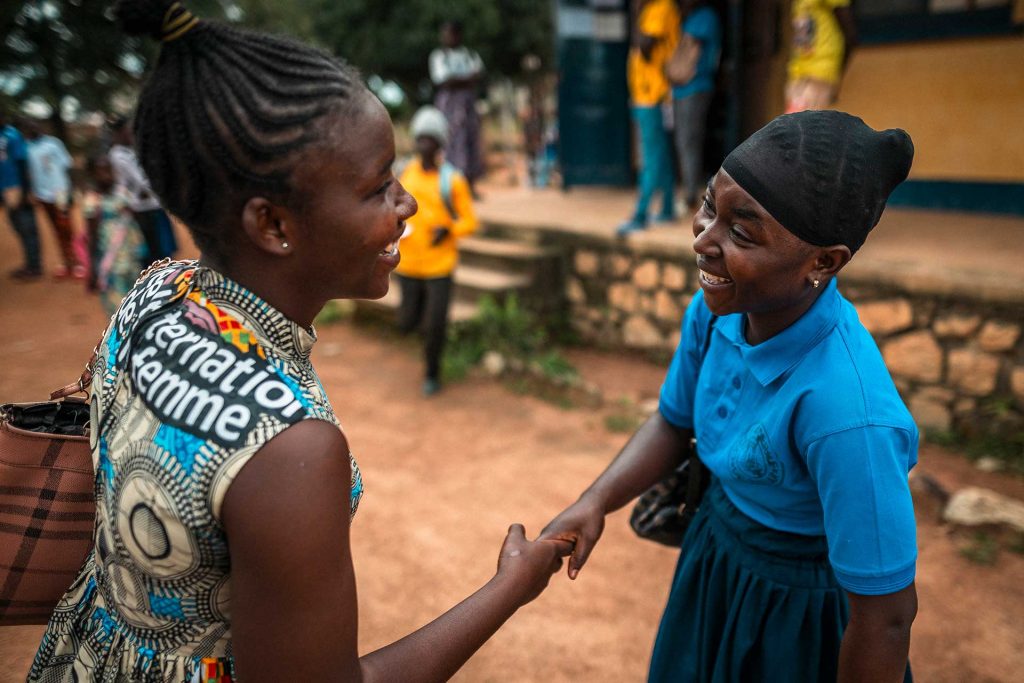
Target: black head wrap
{"x":824,"y":175}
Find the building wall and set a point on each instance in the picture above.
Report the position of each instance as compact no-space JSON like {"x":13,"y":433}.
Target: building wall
{"x":961,"y":100}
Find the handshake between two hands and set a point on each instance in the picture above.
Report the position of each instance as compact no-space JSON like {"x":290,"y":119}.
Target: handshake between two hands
{"x":572,"y":534}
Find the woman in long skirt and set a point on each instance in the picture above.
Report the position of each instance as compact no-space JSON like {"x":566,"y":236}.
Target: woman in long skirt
{"x":800,"y":563}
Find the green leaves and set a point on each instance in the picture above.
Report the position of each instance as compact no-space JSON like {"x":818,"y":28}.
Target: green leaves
{"x":71,"y":56}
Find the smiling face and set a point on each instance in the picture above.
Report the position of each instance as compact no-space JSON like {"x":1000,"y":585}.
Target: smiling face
{"x":353,"y":210}
{"x":750,"y":264}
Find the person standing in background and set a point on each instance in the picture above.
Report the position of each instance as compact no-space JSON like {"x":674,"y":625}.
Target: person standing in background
{"x":824,"y":36}
{"x":429,"y":249}
{"x":14,"y":183}
{"x":690,"y":100}
{"x":455,"y":71}
{"x":128,"y":174}
{"x":658,"y":33}
{"x":115,"y":235}
{"x":49,"y":165}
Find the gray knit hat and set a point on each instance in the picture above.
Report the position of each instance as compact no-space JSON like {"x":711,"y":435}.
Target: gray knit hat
{"x":430,"y":121}
{"x":824,"y":175}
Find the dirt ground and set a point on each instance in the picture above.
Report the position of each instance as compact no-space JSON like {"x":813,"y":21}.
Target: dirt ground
{"x":445,"y":476}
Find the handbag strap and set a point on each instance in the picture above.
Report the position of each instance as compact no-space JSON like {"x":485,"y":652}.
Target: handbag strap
{"x":698,"y":473}
{"x":85,"y":381}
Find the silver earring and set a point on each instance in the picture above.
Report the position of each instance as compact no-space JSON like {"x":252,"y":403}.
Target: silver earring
{"x":284,"y":245}
{"x":816,"y":283}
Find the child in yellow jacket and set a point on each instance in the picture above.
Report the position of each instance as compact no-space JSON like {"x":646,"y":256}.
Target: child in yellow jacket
{"x":429,"y":248}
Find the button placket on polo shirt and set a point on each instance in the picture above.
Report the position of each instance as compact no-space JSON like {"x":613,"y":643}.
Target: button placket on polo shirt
{"x":726,"y":388}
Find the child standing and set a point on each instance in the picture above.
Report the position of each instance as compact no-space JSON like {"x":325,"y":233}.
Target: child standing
{"x":115,"y":236}
{"x":429,"y":251}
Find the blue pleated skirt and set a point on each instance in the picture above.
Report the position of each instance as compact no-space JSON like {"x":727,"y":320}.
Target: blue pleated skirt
{"x":749,"y":603}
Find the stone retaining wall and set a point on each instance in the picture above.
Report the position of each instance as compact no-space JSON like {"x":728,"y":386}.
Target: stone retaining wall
{"x":957,"y":359}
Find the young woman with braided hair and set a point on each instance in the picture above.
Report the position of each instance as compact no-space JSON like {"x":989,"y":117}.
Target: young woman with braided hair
{"x":224,"y":486}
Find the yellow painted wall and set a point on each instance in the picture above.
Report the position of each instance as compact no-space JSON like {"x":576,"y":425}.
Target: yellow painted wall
{"x":962,"y":101}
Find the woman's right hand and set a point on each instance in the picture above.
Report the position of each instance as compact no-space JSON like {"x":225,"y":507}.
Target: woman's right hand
{"x":529,"y":565}
{"x":581,"y":524}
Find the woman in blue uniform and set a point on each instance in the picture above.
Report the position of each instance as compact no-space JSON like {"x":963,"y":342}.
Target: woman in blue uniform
{"x":800,"y":563}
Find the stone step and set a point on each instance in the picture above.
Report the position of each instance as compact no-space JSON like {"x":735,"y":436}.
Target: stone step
{"x":490,"y":281}
{"x":513,"y":233}
{"x":506,"y":249}
{"x":459,"y":310}
{"x":510,"y":256}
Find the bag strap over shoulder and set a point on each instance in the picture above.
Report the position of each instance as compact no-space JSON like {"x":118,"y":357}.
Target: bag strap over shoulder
{"x":85,"y":381}
{"x":447,"y":173}
{"x":707,"y":338}
{"x":698,"y":477}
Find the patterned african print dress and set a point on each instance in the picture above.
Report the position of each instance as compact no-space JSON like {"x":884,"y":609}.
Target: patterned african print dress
{"x":194,"y":375}
{"x":119,"y":246}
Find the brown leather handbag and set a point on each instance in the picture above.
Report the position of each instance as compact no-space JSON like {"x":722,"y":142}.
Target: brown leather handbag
{"x":47,"y":505}
{"x":47,"y":495}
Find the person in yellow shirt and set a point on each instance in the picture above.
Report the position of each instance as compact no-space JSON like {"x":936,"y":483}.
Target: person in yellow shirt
{"x":429,"y":248}
{"x":824,"y":35}
{"x":657,"y":35}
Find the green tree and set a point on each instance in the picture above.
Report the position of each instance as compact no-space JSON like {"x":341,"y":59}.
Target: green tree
{"x":71,"y":55}
{"x":393,"y":39}
{"x":63,"y":53}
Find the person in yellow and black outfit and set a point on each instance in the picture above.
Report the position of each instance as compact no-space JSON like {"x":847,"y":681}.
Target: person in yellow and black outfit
{"x":429,"y":248}
{"x":824,"y":35}
{"x":657,"y":36}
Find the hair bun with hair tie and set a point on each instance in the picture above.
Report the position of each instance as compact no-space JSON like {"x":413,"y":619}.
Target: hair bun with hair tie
{"x":163,"y":20}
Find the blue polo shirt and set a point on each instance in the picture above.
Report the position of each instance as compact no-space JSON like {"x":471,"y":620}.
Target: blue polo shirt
{"x":806,"y":433}
{"x":12,"y":150}
{"x":703,"y":25}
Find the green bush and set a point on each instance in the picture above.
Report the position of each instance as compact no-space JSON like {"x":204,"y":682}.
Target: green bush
{"x":508,"y":329}
{"x":983,"y":549}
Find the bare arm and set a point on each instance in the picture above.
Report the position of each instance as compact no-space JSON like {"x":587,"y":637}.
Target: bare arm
{"x":92,"y":224}
{"x":649,"y":456}
{"x":849,"y":28}
{"x":293,"y":602}
{"x":877,"y":639}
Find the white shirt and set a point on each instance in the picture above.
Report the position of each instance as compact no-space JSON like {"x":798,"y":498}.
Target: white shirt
{"x":48,"y":164}
{"x":460,"y":62}
{"x":128,"y":174}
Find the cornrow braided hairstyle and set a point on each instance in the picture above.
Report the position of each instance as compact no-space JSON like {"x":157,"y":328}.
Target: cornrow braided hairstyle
{"x":226,"y":113}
